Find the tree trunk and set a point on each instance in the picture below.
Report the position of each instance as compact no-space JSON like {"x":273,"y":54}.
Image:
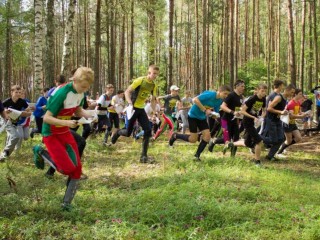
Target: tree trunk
{"x":292,"y":60}
{"x":197,"y":51}
{"x":310,"y":62}
{"x":315,"y":40}
{"x":66,"y":57}
{"x":49,"y":53}
{"x":204,"y":46}
{"x":97,"y":47}
{"x":231,"y":36}
{"x":303,"y":31}
{"x":246,"y":32}
{"x":38,"y":48}
{"x":170,"y":65}
{"x":253,"y":29}
{"x":131,"y":41}
{"x":121,"y":53}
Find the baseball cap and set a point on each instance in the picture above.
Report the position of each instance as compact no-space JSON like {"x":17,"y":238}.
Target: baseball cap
{"x":174,"y":87}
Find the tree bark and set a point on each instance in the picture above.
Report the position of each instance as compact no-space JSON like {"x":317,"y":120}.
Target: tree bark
{"x":170,"y":65}
{"x":97,"y":47}
{"x":292,"y":59}
{"x":49,"y":53}
{"x":38,"y":48}
{"x":66,"y":57}
{"x":303,"y":31}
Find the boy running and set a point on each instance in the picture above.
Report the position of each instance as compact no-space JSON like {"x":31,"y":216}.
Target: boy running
{"x":13,"y":136}
{"x":61,"y":145}
{"x":250,"y":110}
{"x":291,"y":131}
{"x":170,"y":102}
{"x":136,"y":95}
{"x":197,"y":117}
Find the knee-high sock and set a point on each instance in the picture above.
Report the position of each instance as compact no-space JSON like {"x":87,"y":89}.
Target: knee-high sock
{"x":184,"y":137}
{"x":201,"y":147}
{"x":71,"y":190}
{"x":145,"y":146}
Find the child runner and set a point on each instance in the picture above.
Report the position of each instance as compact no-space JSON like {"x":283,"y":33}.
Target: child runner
{"x":16,"y":103}
{"x":230,"y":119}
{"x":117,"y":103}
{"x":136,"y":95}
{"x":103,"y":105}
{"x":57,"y":137}
{"x":250,"y":110}
{"x":170,"y":102}
{"x":291,"y":131}
{"x":197,"y":117}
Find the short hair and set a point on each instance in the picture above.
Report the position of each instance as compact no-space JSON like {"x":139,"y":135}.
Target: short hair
{"x":15,"y":87}
{"x":46,"y":89}
{"x":262,"y":86}
{"x":154,"y":67}
{"x":224,"y":88}
{"x":277,"y":83}
{"x":297,"y":91}
{"x":60,"y":79}
{"x":290,"y":87}
{"x":84,"y":74}
{"x":238,"y":82}
{"x":109,"y":86}
{"x":120,"y":91}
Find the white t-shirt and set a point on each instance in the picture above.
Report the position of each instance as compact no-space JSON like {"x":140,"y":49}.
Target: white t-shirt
{"x":150,"y":111}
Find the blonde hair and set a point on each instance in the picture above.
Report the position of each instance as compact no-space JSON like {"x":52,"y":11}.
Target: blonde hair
{"x":84,"y":74}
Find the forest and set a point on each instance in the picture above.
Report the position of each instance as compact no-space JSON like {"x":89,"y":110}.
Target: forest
{"x":198,"y":44}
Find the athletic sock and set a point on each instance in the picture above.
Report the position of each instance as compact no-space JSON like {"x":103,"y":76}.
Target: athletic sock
{"x":184,"y":137}
{"x":201,"y":147}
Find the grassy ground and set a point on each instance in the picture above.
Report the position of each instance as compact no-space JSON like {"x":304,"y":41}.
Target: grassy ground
{"x":218,"y":198}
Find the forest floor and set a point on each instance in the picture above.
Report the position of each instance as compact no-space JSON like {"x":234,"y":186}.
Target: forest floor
{"x":176,"y":198}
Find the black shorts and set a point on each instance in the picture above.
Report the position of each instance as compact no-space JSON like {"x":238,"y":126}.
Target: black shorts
{"x":251,"y":136}
{"x":290,"y":128}
{"x":196,"y":124}
{"x":114,"y":119}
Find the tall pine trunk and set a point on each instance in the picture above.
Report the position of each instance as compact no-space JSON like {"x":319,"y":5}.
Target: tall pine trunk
{"x":303,"y":31}
{"x":38,"y":47}
{"x":292,"y":58}
{"x":97,"y":47}
{"x":66,"y":56}
{"x":49,"y":53}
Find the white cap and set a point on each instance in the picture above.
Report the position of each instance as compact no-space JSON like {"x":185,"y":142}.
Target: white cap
{"x":174,"y":87}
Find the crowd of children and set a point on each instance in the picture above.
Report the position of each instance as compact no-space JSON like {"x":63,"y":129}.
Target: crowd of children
{"x":213,"y":117}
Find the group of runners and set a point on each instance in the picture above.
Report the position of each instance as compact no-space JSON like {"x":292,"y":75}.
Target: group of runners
{"x":265,"y":120}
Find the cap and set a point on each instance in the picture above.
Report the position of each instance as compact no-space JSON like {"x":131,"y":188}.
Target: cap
{"x":174,"y":87}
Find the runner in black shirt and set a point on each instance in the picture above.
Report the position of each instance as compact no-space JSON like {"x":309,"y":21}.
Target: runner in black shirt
{"x":250,"y":110}
{"x":230,"y":119}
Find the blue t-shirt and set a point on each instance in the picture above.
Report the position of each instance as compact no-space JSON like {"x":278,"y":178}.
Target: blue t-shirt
{"x":209,"y":100}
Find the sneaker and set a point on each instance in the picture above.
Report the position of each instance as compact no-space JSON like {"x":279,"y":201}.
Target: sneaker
{"x":3,"y":156}
{"x":211,"y":145}
{"x":197,"y":158}
{"x":37,"y":159}
{"x":257,"y":163}
{"x":280,"y":155}
{"x":146,"y":159}
{"x":173,"y":138}
{"x":226,"y":147}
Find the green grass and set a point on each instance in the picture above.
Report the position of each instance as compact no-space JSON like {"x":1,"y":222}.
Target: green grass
{"x":218,"y":198}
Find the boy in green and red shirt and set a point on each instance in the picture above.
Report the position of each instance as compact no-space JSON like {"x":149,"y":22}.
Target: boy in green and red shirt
{"x":61,"y":145}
